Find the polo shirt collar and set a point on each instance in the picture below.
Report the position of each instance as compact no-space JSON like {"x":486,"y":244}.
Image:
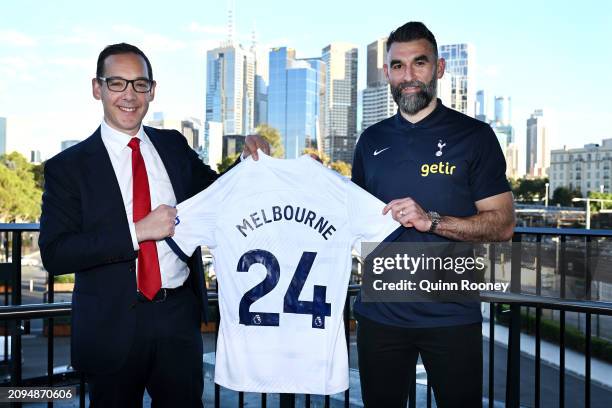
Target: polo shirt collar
{"x":428,"y":121}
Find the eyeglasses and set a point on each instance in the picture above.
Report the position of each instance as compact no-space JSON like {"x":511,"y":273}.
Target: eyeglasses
{"x":118,"y":84}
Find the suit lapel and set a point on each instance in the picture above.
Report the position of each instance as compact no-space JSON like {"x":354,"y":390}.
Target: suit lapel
{"x":172,"y":162}
{"x":103,"y":183}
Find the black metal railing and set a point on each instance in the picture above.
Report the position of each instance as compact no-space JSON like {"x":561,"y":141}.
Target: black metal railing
{"x":13,"y":315}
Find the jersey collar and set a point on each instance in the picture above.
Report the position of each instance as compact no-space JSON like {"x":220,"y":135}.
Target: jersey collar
{"x":428,"y":121}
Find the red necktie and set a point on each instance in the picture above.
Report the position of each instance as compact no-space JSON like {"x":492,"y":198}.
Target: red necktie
{"x":149,"y":276}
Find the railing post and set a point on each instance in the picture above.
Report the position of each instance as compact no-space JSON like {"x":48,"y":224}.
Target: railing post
{"x":513,"y":385}
{"x":492,"y":255}
{"x":16,"y":372}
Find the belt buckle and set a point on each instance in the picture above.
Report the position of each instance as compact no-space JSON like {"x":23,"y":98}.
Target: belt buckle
{"x":165,"y":295}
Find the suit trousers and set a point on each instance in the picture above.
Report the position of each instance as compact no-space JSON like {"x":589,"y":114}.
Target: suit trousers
{"x":165,"y":358}
{"x":388,"y":355}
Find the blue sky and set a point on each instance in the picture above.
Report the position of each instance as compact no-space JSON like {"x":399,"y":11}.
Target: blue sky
{"x":553,"y":54}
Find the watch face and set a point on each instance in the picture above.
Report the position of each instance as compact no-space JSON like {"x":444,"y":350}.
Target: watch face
{"x":435,"y":219}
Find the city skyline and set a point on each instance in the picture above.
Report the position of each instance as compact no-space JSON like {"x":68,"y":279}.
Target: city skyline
{"x":47,"y":59}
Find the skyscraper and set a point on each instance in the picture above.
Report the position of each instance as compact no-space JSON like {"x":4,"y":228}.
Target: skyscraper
{"x":378,"y":101}
{"x":2,"y":136}
{"x":538,"y":147}
{"x":230,"y":88}
{"x":460,"y":70}
{"x":189,"y":127}
{"x":35,"y":156}
{"x":502,"y":110}
{"x":319,"y":66}
{"x":293,"y":97}
{"x":481,"y":106}
{"x":212,"y":149}
{"x":261,"y":83}
{"x":340,"y":101}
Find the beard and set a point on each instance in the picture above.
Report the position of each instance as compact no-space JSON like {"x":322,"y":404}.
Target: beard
{"x":410,"y":104}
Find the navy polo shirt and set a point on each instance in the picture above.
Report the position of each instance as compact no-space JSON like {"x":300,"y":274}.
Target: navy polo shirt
{"x":445,"y":162}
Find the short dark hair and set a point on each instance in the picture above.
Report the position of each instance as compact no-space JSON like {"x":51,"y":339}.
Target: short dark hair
{"x":121,"y":48}
{"x":412,"y":31}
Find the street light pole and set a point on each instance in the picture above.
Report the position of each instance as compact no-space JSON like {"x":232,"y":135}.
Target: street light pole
{"x":588,"y":214}
{"x":588,"y":207}
{"x":546,"y":196}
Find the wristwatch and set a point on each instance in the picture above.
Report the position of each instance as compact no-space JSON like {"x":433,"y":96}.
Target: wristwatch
{"x":435,"y":218}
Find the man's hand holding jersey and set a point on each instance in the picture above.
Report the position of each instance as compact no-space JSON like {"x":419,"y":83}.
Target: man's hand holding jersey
{"x":493,"y":222}
{"x":157,"y":225}
{"x":252,"y":143}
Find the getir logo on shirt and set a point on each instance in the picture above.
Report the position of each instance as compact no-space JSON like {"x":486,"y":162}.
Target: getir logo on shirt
{"x":443,"y":168}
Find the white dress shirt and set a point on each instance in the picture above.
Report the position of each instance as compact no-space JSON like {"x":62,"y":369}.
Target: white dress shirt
{"x":174,"y":272}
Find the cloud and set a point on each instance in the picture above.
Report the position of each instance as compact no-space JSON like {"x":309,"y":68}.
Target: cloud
{"x":80,"y":36}
{"x":201,"y":46}
{"x":18,"y":67}
{"x":17,"y":39}
{"x":158,"y":42}
{"x":206,"y":29}
{"x":150,"y":41}
{"x":490,"y":71}
{"x":127,"y":29}
{"x":71,"y":62}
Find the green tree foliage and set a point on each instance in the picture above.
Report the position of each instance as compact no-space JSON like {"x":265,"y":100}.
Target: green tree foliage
{"x":20,"y":197}
{"x":600,"y":205}
{"x":563,"y":196}
{"x":226,"y":162}
{"x":272,"y":136}
{"x":341,"y":167}
{"x":39,"y":174}
{"x":528,"y":189}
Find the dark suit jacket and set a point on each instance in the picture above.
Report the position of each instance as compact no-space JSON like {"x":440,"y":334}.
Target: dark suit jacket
{"x":84,"y":229}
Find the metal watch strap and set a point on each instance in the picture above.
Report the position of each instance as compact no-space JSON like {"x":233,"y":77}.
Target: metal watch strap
{"x":435,"y":220}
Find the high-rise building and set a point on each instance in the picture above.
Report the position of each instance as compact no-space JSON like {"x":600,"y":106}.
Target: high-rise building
{"x":68,"y":143}
{"x":191,"y":128}
{"x":319,"y":66}
{"x":293,"y":96}
{"x":538,"y":147}
{"x":584,"y":169}
{"x":340,"y":101}
{"x":376,"y":58}
{"x":377,"y":99}
{"x":481,"y":106}
{"x":233,"y":144}
{"x":35,"y":156}
{"x":261,"y":101}
{"x":2,"y":136}
{"x":261,"y":83}
{"x":212,"y":149}
{"x":460,"y":71}
{"x":503,"y":107}
{"x":230,"y":88}
{"x":512,"y":161}
{"x":505,"y":136}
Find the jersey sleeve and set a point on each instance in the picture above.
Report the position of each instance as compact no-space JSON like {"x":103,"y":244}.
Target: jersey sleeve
{"x":367,"y":222}
{"x":196,"y":220}
{"x":488,"y":167}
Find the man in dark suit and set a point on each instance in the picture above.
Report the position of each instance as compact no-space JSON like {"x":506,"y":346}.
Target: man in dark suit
{"x":136,"y":307}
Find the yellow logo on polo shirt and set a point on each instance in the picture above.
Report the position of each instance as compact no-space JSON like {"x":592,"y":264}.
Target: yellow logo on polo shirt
{"x":443,"y":168}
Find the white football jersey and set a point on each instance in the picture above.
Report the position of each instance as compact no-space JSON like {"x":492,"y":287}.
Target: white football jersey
{"x":281,"y":234}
